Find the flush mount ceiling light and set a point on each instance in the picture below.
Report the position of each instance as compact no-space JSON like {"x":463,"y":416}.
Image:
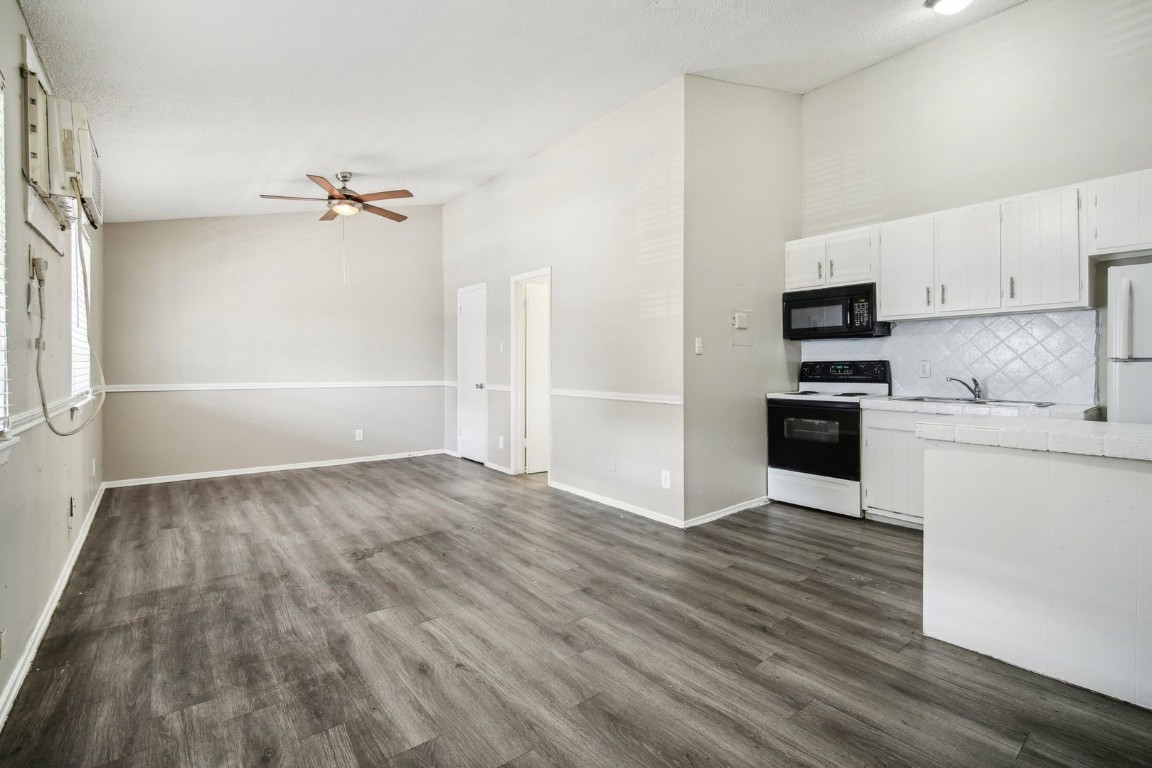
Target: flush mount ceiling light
{"x":947,"y":7}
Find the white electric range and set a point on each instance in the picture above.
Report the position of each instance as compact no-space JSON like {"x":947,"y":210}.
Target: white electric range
{"x":814,"y":434}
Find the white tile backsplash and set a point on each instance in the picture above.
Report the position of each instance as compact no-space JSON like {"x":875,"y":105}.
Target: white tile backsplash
{"x":1048,"y":356}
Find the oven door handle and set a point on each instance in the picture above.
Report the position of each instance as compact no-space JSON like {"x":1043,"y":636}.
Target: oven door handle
{"x":815,"y":406}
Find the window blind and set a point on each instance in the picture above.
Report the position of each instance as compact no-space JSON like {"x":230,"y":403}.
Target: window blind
{"x":81,"y":271}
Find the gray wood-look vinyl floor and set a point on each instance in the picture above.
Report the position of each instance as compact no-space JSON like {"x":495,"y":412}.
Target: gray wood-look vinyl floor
{"x":432,"y":612}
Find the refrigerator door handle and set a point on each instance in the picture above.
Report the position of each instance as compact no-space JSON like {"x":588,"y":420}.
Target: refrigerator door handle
{"x":1121,"y":341}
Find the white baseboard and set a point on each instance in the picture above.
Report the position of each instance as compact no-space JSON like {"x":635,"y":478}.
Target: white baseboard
{"x":272,"y":468}
{"x":24,"y":663}
{"x":710,"y":516}
{"x":453,"y":454}
{"x":498,"y":468}
{"x":659,"y":517}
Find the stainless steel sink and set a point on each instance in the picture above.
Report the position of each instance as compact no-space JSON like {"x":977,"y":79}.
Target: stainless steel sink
{"x":970,"y":401}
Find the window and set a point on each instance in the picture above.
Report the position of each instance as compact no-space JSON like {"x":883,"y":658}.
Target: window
{"x":81,"y":288}
{"x":3,"y":280}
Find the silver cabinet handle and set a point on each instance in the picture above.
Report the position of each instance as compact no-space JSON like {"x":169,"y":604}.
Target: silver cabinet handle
{"x":942,"y":302}
{"x":928,"y":295}
{"x":1011,"y":287}
{"x":831,"y":268}
{"x":819,"y":270}
{"x":479,"y":386}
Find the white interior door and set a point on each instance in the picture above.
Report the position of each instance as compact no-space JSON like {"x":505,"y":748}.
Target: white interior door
{"x":472,"y":372}
{"x":537,"y":376}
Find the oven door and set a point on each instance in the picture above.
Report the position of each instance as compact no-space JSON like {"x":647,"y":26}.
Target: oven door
{"x":817,"y":439}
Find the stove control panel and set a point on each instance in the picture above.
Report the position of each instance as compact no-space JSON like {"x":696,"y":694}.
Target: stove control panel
{"x":861,"y":371}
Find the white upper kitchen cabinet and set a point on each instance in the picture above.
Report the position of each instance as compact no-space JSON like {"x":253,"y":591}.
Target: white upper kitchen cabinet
{"x":1040,"y":240}
{"x":1119,"y":213}
{"x":851,"y":256}
{"x":804,"y":263}
{"x":968,"y":259}
{"x":841,"y":258}
{"x":907,"y":268}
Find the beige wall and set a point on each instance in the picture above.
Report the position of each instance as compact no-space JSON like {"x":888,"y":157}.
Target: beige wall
{"x":44,"y":471}
{"x":1047,"y":93}
{"x":742,"y":182}
{"x":604,"y":209}
{"x":264,"y":299}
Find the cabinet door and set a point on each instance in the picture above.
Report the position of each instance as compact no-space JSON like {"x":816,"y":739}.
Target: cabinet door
{"x":1040,"y":240}
{"x":1120,"y":213}
{"x":804,"y":263}
{"x":893,"y":471}
{"x":968,"y":259}
{"x":850,"y":257}
{"x":907,"y":268}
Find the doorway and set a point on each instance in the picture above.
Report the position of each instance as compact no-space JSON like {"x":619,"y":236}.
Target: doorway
{"x":532,"y":372}
{"x":472,"y":372}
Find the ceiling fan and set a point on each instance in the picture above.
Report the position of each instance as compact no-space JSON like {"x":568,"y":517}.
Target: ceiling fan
{"x":346,"y":202}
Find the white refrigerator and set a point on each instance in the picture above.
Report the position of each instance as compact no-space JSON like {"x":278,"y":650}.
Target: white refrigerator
{"x":1130,"y":344}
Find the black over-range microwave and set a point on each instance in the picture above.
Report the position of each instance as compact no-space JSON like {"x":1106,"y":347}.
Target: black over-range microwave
{"x":839,"y":312}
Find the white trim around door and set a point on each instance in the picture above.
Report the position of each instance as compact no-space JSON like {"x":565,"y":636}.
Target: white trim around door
{"x":517,"y":387}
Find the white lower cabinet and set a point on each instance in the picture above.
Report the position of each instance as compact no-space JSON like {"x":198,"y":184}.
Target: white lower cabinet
{"x":892,"y":467}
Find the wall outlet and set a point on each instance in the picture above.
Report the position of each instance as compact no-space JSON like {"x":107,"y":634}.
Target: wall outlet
{"x":501,"y":343}
{"x":699,"y":345}
{"x":73,"y":506}
{"x":93,"y":467}
{"x":665,"y":478}
{"x":612,"y":464}
{"x":925,"y":369}
{"x":500,"y":440}
{"x":2,"y":631}
{"x":359,"y":435}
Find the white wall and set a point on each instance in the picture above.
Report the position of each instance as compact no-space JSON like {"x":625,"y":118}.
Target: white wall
{"x":1047,"y":93}
{"x":44,"y":471}
{"x":259,"y":299}
{"x":604,"y":209}
{"x":742,"y":150}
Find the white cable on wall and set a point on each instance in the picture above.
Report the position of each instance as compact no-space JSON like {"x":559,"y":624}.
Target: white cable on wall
{"x":40,"y":269}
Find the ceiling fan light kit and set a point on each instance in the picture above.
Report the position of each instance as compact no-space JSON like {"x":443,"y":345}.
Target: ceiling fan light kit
{"x":347,"y":202}
{"x":345,"y":207}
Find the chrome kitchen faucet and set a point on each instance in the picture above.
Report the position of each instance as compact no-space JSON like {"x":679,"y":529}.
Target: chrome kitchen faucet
{"x":974,"y":388}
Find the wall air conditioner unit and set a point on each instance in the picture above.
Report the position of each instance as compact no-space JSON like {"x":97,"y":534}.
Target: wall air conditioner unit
{"x":73,"y":164}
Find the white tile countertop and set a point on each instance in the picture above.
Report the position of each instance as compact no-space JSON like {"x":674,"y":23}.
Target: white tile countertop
{"x":1065,"y":411}
{"x":1087,"y":438}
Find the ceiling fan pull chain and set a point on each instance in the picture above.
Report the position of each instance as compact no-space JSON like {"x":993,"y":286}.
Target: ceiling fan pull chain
{"x":344,"y":246}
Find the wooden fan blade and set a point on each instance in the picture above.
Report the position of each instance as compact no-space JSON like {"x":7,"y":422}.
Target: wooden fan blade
{"x":395,"y":193}
{"x":285,"y":197}
{"x":327,"y":186}
{"x":384,"y":212}
{"x":329,"y":215}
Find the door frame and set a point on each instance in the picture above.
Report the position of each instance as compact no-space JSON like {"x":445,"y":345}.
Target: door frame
{"x":517,"y":407}
{"x":460,"y":384}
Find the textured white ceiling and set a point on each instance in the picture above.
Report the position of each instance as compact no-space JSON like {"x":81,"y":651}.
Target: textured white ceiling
{"x":198,"y":106}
